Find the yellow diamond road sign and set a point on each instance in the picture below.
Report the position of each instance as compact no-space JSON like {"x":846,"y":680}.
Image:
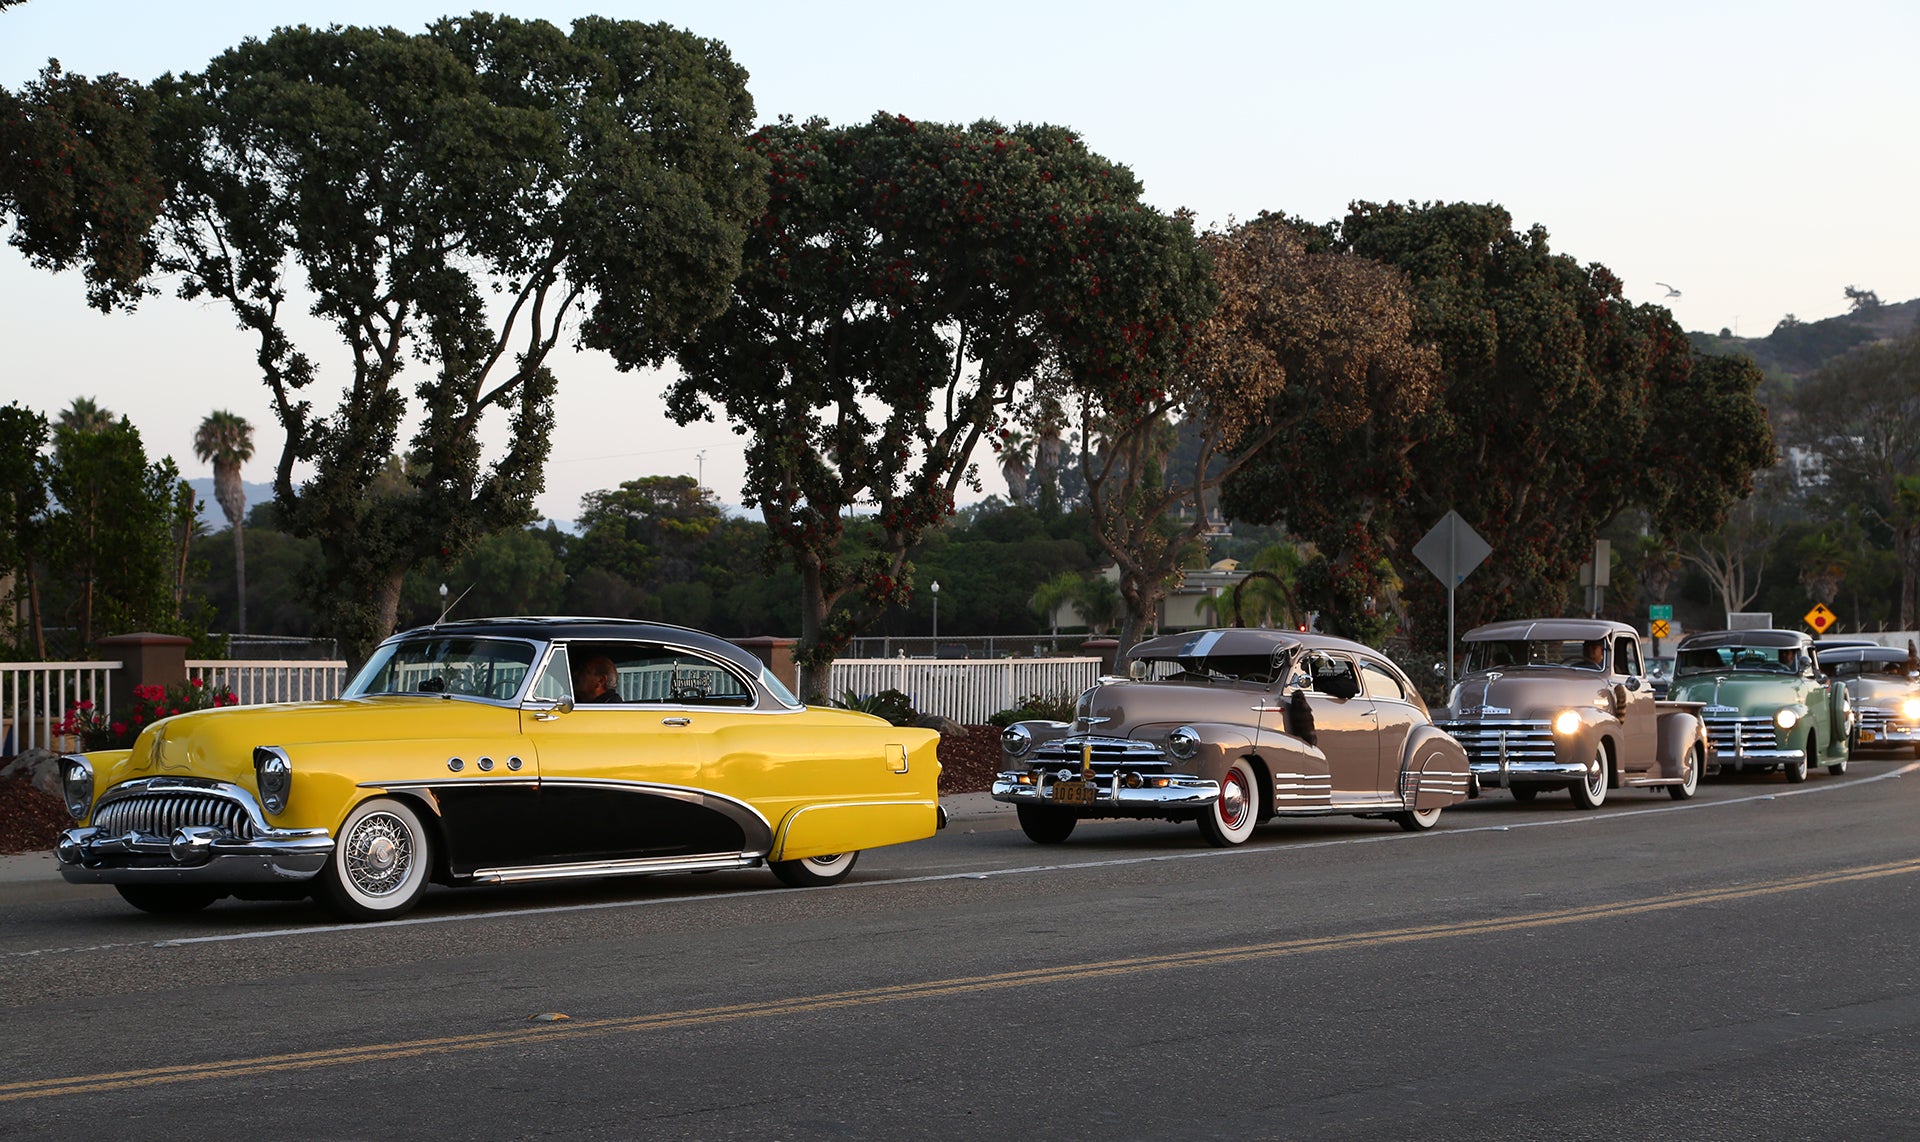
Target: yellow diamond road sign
{"x":1659,"y":628}
{"x":1820,"y":618}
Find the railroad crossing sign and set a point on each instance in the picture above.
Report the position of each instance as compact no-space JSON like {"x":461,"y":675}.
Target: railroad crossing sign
{"x":1662,"y":628}
{"x":1820,"y":618}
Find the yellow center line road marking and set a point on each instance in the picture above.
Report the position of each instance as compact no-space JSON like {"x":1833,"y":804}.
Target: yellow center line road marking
{"x":930,"y":989}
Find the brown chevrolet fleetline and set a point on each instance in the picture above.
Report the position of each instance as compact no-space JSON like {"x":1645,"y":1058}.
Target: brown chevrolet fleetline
{"x":1565,"y":704}
{"x":1230,"y":728}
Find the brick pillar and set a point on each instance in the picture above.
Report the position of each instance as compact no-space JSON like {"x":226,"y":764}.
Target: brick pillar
{"x":777,"y":653}
{"x":146,"y":659}
{"x":1102,"y":648}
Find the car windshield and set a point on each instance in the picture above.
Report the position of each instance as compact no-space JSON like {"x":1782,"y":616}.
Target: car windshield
{"x":1659,"y":667}
{"x":1766,"y":659}
{"x":1589,"y":654}
{"x":476,"y":667}
{"x":1867,"y":668}
{"x":1259,"y":668}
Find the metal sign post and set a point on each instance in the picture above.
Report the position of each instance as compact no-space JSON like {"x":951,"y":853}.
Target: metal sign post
{"x":1451,"y":551}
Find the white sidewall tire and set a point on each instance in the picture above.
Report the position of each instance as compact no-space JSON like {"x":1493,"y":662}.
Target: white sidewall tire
{"x":1240,"y":797}
{"x":381,"y":860}
{"x":815,"y":872}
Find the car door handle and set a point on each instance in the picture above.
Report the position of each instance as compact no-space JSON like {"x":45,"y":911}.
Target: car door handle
{"x":676,"y":721}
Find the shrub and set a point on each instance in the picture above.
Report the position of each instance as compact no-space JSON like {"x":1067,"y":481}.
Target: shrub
{"x":892,"y":705}
{"x":96,"y":730}
{"x":1037,"y":707}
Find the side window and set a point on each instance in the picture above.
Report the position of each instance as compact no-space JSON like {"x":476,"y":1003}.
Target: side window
{"x":1380,"y":683}
{"x":1626,"y":657}
{"x":1333,"y":676}
{"x":651,"y":674}
{"x":553,"y":683}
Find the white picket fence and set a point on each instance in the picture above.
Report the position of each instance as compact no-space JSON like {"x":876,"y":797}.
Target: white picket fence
{"x":970,"y":690}
{"x":35,"y":696}
{"x":259,"y":681}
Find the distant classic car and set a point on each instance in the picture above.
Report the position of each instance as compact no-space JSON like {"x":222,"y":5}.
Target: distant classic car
{"x":1565,"y":704}
{"x":462,"y":754}
{"x":1230,"y":728}
{"x":1884,"y":688}
{"x":1765,"y":702}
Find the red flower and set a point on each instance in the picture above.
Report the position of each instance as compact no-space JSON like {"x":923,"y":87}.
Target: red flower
{"x":198,"y":683}
{"x":119,"y":727}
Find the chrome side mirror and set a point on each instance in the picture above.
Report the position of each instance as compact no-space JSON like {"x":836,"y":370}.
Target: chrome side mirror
{"x":549,"y":713}
{"x":1633,"y":682}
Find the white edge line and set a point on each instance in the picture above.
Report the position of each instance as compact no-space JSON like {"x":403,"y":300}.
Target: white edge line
{"x":1026,"y":870}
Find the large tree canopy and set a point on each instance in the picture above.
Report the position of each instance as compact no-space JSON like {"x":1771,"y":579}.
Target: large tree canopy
{"x":77,"y":179}
{"x":1561,"y":404}
{"x":1303,"y":343}
{"x":455,"y":201}
{"x":907,"y":282}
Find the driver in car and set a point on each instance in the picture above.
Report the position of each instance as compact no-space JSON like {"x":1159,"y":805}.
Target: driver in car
{"x":596,"y":680}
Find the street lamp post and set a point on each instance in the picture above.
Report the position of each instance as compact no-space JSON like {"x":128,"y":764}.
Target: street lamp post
{"x":936,"y":618}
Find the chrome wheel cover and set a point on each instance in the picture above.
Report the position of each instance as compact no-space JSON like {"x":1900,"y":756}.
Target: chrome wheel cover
{"x":377,"y":855}
{"x":1235,"y":801}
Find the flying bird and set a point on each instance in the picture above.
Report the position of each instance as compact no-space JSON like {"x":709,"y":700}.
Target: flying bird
{"x":1671,"y":292}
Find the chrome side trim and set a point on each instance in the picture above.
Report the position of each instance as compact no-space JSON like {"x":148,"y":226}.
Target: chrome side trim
{"x":711,"y":862}
{"x":449,"y":783}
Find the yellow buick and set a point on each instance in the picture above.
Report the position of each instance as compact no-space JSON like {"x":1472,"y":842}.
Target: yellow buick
{"x":494,"y":751}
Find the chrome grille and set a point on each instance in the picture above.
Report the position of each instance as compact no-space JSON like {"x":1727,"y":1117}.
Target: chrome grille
{"x":1740,"y":735}
{"x":1524,"y":740}
{"x":1108,"y":754}
{"x":1872,"y":719}
{"x":159,"y":814}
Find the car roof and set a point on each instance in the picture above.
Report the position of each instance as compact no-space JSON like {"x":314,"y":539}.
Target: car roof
{"x":1522,"y":630}
{"x":553,"y":628}
{"x":1234,"y":641}
{"x":1709,"y":639}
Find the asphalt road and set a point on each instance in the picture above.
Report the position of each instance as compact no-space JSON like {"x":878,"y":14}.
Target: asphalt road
{"x":1742,"y":965}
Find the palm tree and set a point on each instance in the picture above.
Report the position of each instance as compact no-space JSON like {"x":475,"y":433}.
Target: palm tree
{"x":226,"y":439}
{"x":1066,"y":587}
{"x":83,"y":415}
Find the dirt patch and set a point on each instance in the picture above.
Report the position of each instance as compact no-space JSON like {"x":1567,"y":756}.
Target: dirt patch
{"x":30,"y":820}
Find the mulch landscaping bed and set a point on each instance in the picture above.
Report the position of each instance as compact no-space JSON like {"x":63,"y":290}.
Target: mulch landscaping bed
{"x":967,"y":764}
{"x":31,"y":821}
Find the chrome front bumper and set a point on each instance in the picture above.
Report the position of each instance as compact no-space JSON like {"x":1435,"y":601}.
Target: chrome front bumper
{"x":192,"y":854}
{"x":1504,"y":773}
{"x":1111,"y":798}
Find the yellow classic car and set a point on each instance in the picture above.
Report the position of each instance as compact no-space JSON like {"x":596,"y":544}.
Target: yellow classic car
{"x":492,"y":751}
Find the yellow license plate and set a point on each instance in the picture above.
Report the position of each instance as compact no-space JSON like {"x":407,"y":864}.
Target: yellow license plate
{"x":1072,"y":793}
{"x":1866,"y":735}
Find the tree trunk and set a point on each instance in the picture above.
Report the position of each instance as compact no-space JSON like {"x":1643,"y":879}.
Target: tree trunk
{"x":812,"y":658}
{"x":240,"y":580}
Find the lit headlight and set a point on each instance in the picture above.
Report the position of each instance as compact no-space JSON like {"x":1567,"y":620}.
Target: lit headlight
{"x":1184,"y":742}
{"x":1910,"y":709}
{"x":273,"y":774}
{"x":76,"y":782}
{"x":1567,"y":723}
{"x":1015,"y":741}
{"x":1785,"y":719}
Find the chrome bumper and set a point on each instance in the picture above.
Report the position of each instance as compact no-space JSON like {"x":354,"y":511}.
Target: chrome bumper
{"x":192,"y":854}
{"x":1505,"y":773}
{"x":1112,"y":798}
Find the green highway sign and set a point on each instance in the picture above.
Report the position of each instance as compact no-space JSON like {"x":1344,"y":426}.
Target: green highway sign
{"x":1659,"y":614}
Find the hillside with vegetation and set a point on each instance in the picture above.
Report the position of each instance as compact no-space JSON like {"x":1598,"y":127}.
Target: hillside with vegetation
{"x":1797,"y":348}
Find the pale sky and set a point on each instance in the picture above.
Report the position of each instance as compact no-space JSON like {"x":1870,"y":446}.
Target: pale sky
{"x":1758,"y":156}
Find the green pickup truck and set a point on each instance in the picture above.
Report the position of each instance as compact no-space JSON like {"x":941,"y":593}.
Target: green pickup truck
{"x":1766,"y":702}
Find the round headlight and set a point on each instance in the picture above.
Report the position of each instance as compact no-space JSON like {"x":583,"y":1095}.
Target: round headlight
{"x":1910,"y":709}
{"x":1785,"y":719}
{"x":1567,"y":723}
{"x":1015,"y":741}
{"x":76,"y":782}
{"x":273,"y":774}
{"x":1184,"y":742}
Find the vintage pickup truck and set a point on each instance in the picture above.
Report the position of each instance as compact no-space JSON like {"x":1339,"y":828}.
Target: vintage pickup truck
{"x":1767,"y":702}
{"x":1565,"y":704}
